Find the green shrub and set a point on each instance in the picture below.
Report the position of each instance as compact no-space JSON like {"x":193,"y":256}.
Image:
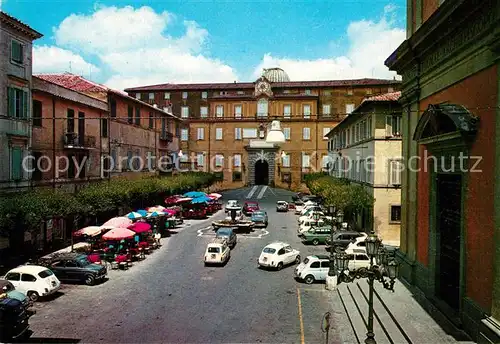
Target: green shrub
{"x":29,"y":209}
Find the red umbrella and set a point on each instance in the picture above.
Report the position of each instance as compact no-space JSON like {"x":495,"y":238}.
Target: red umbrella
{"x":140,"y":227}
{"x":171,"y":200}
{"x":118,"y":234}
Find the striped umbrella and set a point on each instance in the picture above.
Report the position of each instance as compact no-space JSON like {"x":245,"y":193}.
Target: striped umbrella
{"x":134,"y":215}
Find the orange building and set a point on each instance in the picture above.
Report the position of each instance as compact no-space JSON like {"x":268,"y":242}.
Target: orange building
{"x":450,"y":239}
{"x":83,"y":131}
{"x":227,"y":123}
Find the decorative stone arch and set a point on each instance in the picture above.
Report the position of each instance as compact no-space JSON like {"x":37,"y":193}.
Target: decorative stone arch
{"x":446,"y":131}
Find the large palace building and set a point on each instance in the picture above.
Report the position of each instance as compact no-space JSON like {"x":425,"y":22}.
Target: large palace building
{"x":226,"y":123}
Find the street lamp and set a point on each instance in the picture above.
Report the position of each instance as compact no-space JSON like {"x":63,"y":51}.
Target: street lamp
{"x":384,"y":264}
{"x":337,"y":223}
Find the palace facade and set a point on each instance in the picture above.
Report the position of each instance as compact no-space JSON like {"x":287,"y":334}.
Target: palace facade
{"x":227,"y":123}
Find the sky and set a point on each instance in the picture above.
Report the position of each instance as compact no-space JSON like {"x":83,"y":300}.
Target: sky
{"x":133,"y":43}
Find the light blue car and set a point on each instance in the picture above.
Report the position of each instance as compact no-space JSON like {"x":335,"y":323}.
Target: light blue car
{"x":8,"y":289}
{"x":259,"y":218}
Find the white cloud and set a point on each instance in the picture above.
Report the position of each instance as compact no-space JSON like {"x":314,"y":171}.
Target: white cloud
{"x":49,"y":59}
{"x":370,"y":43}
{"x":133,"y":44}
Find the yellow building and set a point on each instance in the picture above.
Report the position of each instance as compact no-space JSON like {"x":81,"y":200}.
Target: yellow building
{"x":228,"y":122}
{"x":366,"y":148}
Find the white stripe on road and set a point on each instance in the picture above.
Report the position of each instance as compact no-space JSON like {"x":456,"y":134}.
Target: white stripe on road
{"x":262,"y":192}
{"x":250,"y":194}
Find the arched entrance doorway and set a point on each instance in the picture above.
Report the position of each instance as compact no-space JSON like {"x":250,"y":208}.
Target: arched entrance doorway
{"x":261,"y":172}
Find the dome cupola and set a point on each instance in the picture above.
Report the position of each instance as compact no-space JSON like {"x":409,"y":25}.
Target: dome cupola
{"x":275,"y":75}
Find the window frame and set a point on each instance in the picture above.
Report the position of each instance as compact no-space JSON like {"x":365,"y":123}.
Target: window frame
{"x":217,"y":132}
{"x":391,"y":219}
{"x":21,"y":45}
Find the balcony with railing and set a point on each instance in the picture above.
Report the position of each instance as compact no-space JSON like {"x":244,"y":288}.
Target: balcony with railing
{"x":76,"y":141}
{"x":166,"y":136}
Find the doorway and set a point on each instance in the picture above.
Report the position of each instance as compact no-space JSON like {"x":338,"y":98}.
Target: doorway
{"x":261,"y":172}
{"x":449,"y":228}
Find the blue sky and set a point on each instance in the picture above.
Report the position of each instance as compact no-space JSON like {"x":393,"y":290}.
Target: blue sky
{"x":229,"y":39}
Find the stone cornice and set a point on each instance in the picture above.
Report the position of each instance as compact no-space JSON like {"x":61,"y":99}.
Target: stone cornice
{"x":451,"y":28}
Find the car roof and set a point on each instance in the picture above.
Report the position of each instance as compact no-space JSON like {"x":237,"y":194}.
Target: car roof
{"x":259,"y":212}
{"x":252,"y":202}
{"x":319,"y":256}
{"x":277,"y":244}
{"x":282,"y":202}
{"x":225,"y":229}
{"x":29,"y":269}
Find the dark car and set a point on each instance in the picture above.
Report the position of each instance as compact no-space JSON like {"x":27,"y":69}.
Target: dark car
{"x":13,"y":319}
{"x":298,"y":196}
{"x":259,"y":218}
{"x":342,"y":239}
{"x":281,"y":206}
{"x":227,"y":234}
{"x":249,"y":207}
{"x":74,"y":267}
{"x":7,"y":289}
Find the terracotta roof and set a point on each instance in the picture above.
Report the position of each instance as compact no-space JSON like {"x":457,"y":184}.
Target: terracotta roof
{"x":90,"y":88}
{"x":246,"y":85}
{"x":19,"y":25}
{"x":386,"y":97}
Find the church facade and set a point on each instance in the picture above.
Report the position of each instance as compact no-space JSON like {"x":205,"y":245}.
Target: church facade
{"x":226,"y":123}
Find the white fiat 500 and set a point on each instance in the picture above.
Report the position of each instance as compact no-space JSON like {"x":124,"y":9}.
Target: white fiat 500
{"x":218,"y":252}
{"x":313,"y":268}
{"x":278,"y":254}
{"x":33,"y":280}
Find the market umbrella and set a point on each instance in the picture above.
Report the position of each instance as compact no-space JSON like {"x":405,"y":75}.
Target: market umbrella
{"x":184,"y":199}
{"x":170,"y":211}
{"x":215,"y":195}
{"x":134,"y":215}
{"x":157,"y":208}
{"x":194,"y":194}
{"x":118,"y":234}
{"x":118,"y":222}
{"x":140,"y":227}
{"x":142,"y":212}
{"x":155,"y":214}
{"x":171,"y":199}
{"x":90,"y":231}
{"x":202,"y":199}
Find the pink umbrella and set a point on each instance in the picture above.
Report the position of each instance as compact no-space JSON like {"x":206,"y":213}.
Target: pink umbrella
{"x":171,"y":199}
{"x":90,"y":231}
{"x":170,"y":211}
{"x":118,"y":234}
{"x":117,"y":222}
{"x":140,"y":227}
{"x":183,"y":199}
{"x":215,"y":195}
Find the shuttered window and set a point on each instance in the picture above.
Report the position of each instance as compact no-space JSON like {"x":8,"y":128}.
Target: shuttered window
{"x":16,"y":163}
{"x":18,"y":103}
{"x":37,"y":113}
{"x":395,"y":169}
{"x":130,"y":114}
{"x":17,"y":53}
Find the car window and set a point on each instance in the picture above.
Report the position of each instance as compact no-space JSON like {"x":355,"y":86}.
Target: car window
{"x":71,"y":264}
{"x":361,"y":257}
{"x":362,"y":243}
{"x":213,"y":250}
{"x":325,"y":264}
{"x":315,"y":265}
{"x":269,"y":250}
{"x":45,"y":273}
{"x":288,"y":249}
{"x":28,"y":278}
{"x":58,"y":264}
{"x":350,"y":256}
{"x":13,"y":276}
{"x":306,"y":260}
{"x":282,"y":251}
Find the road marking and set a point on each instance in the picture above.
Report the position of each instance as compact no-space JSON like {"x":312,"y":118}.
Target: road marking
{"x":272,"y":191}
{"x":302,"y":340}
{"x":262,"y":192}
{"x":250,"y":194}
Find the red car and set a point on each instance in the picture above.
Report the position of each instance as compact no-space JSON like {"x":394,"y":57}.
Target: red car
{"x":249,"y":207}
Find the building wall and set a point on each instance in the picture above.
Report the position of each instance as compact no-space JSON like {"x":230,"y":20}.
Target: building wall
{"x":49,"y":139}
{"x":388,"y":231}
{"x":315,"y":147}
{"x":13,"y":132}
{"x":480,"y":97}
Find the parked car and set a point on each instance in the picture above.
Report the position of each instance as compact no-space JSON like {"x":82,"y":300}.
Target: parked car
{"x":232,"y":203}
{"x":34,"y":281}
{"x":228,"y":234}
{"x":277,"y":255}
{"x":14,"y":319}
{"x":359,"y":243}
{"x":343,"y":238}
{"x":316,"y":235}
{"x":249,"y":207}
{"x":308,"y":224}
{"x":298,"y":196}
{"x":281,"y":206}
{"x":299,"y":205}
{"x":74,"y":267}
{"x":217,"y":252}
{"x":313,"y":268}
{"x":359,"y":259}
{"x":7,"y":289}
{"x":259,"y":218}
{"x":314,"y":215}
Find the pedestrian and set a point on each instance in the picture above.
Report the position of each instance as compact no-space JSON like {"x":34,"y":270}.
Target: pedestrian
{"x":158,"y":238}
